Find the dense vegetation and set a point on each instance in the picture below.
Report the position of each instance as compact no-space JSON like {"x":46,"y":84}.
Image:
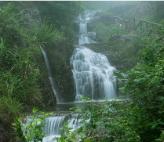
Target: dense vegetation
{"x":141,"y":118}
{"x":25,"y":26}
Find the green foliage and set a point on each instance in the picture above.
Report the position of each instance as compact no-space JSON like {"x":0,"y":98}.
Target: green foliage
{"x":103,"y":27}
{"x":22,"y":71}
{"x":44,"y":34}
{"x":33,"y":130}
{"x":103,"y":121}
{"x":57,"y":30}
{"x":144,"y":83}
{"x":23,"y":76}
{"x":141,"y":118}
{"x":20,"y":56}
{"x":104,"y":32}
{"x":60,"y":14}
{"x":156,"y":10}
{"x":9,"y":105}
{"x":9,"y":23}
{"x":161,"y":137}
{"x":19,"y":77}
{"x":66,"y":134}
{"x":22,"y":33}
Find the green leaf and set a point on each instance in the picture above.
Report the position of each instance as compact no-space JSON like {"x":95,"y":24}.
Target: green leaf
{"x":137,"y":80}
{"x":73,"y":108}
{"x":99,"y":122}
{"x":34,"y":110}
{"x":159,"y":98}
{"x":80,"y":130}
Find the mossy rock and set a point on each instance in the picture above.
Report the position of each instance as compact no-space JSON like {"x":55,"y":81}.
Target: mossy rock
{"x":123,"y":55}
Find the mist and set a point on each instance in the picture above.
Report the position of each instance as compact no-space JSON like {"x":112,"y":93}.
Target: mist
{"x":98,"y":62}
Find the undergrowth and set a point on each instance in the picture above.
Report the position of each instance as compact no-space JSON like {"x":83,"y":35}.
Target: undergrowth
{"x":139,"y":119}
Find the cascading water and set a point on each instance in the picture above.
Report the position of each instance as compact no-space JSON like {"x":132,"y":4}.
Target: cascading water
{"x":54,"y":123}
{"x":50,"y":76}
{"x":93,"y":77}
{"x":92,"y":72}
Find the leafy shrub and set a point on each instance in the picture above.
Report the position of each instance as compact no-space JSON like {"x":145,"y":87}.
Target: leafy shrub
{"x":44,"y":34}
{"x":10,"y":105}
{"x":144,"y":83}
{"x":140,"y":119}
{"x":33,"y":130}
{"x":102,"y":121}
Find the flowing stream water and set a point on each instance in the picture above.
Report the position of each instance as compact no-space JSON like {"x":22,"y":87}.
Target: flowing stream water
{"x":53,"y":124}
{"x":93,"y":78}
{"x":92,"y":72}
{"x":50,"y":77}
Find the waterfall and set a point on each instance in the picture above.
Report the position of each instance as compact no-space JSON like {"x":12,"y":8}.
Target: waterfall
{"x":52,"y":127}
{"x":92,"y":72}
{"x":59,"y":100}
{"x":54,"y":122}
{"x":93,"y":78}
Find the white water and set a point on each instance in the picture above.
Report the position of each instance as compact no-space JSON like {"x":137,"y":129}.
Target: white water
{"x":52,"y":127}
{"x":53,"y":123}
{"x":92,"y":72}
{"x":93,"y":77}
{"x":50,"y":76}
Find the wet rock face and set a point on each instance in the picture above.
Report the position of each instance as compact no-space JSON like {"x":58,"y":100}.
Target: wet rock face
{"x":76,"y":28}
